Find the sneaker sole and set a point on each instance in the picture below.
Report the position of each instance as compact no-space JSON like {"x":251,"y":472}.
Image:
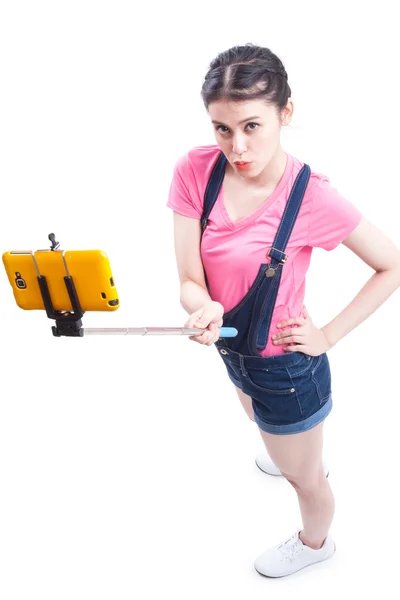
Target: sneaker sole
{"x":301,"y":569}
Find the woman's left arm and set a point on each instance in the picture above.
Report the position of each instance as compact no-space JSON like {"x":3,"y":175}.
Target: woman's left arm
{"x":377,"y":251}
{"x":381,"y":254}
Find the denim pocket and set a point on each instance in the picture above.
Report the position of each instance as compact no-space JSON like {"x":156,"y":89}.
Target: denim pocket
{"x":321,"y":377}
{"x":276,"y":382}
{"x":304,"y":364}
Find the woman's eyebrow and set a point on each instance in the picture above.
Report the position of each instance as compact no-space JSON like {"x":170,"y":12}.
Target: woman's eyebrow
{"x":244,"y":120}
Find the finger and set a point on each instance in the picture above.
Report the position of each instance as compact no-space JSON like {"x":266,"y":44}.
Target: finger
{"x":297,"y":339}
{"x":198,"y":338}
{"x":213,"y":334}
{"x":293,"y":321}
{"x":206,"y":338}
{"x":201,"y":337}
{"x":293,"y":331}
{"x":288,"y":333}
{"x":197,"y":324}
{"x":193,"y":318}
{"x":203,"y":322}
{"x":297,"y":348}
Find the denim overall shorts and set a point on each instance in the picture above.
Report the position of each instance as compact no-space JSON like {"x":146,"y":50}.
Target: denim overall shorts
{"x":290,"y":392}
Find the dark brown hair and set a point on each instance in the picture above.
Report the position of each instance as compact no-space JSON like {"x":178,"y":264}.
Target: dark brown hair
{"x":247,"y":73}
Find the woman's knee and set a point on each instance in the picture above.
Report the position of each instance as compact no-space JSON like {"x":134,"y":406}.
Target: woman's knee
{"x":307,"y":479}
{"x":298,"y":456}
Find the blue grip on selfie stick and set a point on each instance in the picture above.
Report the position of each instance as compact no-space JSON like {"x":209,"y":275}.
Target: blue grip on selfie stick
{"x":228,"y":332}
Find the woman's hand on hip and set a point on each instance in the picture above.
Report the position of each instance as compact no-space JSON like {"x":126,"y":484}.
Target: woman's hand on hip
{"x":304,"y":337}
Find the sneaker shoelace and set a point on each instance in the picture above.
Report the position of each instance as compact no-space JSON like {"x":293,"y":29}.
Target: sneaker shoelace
{"x":291,"y":547}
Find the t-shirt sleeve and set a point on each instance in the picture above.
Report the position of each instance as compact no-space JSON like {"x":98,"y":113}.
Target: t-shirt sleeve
{"x":332,"y":217}
{"x":183,"y":196}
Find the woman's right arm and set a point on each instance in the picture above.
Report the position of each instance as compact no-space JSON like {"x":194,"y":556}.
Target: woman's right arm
{"x":194,"y":296}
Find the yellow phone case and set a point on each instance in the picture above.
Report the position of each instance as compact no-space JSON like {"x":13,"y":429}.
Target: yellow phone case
{"x":90,"y":271}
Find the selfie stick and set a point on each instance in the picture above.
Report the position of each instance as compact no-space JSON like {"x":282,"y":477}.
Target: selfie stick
{"x":69,"y":323}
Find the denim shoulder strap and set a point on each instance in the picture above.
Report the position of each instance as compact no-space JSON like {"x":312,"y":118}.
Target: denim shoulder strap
{"x":278,"y":258}
{"x":292,"y":208}
{"x":213,"y":187}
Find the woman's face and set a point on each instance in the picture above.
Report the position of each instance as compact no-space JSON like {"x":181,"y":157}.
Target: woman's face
{"x":248,"y":131}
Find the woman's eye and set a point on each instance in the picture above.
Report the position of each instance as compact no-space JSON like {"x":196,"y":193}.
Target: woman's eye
{"x":249,"y":126}
{"x":252,"y":126}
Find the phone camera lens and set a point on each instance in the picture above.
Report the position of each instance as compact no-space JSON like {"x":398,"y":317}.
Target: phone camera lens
{"x":20,"y":283}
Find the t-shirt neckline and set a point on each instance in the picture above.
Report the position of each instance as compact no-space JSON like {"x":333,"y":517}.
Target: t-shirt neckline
{"x":264,"y":206}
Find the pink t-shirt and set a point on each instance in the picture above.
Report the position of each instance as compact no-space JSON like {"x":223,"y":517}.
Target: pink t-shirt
{"x":233,"y":251}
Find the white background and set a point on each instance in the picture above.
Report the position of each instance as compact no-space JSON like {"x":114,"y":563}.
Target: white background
{"x":127,"y":463}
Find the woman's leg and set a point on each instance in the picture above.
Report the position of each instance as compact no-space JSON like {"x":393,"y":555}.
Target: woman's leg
{"x":263,"y":460}
{"x":246,"y":402}
{"x":299,"y":458}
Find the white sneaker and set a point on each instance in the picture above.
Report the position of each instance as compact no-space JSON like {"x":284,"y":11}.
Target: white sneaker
{"x":291,"y":556}
{"x":265,"y":464}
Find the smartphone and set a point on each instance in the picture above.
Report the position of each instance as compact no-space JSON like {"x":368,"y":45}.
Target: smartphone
{"x":90,"y":271}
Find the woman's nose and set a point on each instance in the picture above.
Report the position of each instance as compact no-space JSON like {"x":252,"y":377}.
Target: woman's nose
{"x":238,"y":146}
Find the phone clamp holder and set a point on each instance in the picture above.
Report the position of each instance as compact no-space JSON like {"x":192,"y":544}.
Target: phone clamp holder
{"x":67,"y":323}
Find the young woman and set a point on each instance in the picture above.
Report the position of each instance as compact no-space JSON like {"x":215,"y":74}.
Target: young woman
{"x":246,"y":218}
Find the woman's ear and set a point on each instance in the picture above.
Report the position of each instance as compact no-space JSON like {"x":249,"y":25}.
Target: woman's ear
{"x":287,"y":113}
